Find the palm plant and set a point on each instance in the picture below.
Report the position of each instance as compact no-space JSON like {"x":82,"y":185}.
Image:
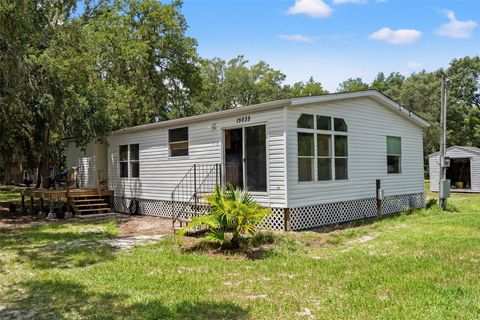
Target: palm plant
{"x":233,"y":210}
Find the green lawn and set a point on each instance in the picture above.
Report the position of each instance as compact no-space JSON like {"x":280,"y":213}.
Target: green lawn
{"x":420,"y":266}
{"x":10,"y":195}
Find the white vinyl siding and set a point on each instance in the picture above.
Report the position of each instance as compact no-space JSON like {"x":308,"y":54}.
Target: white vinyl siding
{"x":368,"y":125}
{"x":160,"y":173}
{"x":455,"y":152}
{"x":88,"y":162}
{"x":368,"y":121}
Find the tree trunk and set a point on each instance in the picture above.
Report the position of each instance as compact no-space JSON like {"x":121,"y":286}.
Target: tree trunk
{"x":44,"y":162}
{"x":235,"y":242}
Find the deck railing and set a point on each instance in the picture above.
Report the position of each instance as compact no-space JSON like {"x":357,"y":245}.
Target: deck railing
{"x":189,"y":196}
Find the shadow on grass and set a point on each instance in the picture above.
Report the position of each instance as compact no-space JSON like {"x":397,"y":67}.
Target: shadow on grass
{"x":248,"y":250}
{"x":51,"y":247}
{"x":68,"y":299}
{"x":360,"y":222}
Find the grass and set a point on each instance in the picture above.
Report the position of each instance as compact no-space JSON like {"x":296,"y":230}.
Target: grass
{"x":419,"y":266}
{"x":10,"y":195}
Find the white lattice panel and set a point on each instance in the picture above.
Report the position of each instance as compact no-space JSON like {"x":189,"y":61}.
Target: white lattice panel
{"x":338,"y":212}
{"x":301,"y":217}
{"x":331,"y":213}
{"x":392,"y":204}
{"x":274,"y":221}
{"x":160,"y":208}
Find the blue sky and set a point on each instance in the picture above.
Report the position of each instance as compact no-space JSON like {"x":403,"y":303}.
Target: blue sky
{"x":333,"y":40}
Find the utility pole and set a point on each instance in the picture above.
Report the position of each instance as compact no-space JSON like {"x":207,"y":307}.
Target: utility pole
{"x":444,"y":184}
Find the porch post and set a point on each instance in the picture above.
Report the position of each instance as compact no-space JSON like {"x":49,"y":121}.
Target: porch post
{"x":31,"y":202}
{"x":51,"y":214}
{"x":378,"y":198}
{"x":68,"y":213}
{"x":23,"y":203}
{"x":286,"y":220}
{"x":41,"y":213}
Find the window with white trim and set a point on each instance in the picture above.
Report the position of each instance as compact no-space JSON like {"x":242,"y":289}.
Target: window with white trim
{"x":341,"y":157}
{"x":394,"y":154}
{"x":305,"y":156}
{"x":324,"y":157}
{"x":123,"y":156}
{"x":178,"y":142}
{"x":322,"y":148}
{"x":135,"y":160}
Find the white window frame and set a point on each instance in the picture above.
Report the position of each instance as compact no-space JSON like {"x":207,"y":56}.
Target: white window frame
{"x":332,"y":133}
{"x":120,"y":161}
{"x":178,"y":142}
{"x":134,"y":161}
{"x":400,"y":169}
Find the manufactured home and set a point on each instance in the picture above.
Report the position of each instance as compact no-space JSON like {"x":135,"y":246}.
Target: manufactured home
{"x":463,"y":172}
{"x":314,"y":160}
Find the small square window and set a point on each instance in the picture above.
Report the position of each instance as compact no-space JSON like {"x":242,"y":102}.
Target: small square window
{"x":339,"y":125}
{"x":305,"y":169}
{"x":341,"y":146}
{"x":341,"y":168}
{"x":324,"y":169}
{"x":305,"y":144}
{"x":305,"y":121}
{"x":324,"y":123}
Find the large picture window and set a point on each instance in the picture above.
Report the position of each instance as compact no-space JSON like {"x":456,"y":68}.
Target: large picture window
{"x":322,"y":148}
{"x":394,"y":155}
{"x":178,"y":142}
{"x":123,"y":154}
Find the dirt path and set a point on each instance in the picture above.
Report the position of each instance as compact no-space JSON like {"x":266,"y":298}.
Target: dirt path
{"x":128,"y":226}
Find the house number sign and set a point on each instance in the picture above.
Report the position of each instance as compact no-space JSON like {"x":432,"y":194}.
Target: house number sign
{"x":243,"y":119}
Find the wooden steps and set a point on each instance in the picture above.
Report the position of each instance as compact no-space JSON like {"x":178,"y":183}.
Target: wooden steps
{"x":90,"y":204}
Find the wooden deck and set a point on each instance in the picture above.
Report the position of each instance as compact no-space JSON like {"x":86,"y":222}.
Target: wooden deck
{"x":71,"y":197}
{"x":58,"y":194}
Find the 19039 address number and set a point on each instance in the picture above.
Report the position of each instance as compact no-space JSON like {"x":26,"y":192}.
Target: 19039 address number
{"x":243,"y":119}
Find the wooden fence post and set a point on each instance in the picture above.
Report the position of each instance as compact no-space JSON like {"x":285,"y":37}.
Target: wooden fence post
{"x":51,"y":214}
{"x":24,"y":209}
{"x":31,"y":202}
{"x":287,"y":219}
{"x":378,"y":198}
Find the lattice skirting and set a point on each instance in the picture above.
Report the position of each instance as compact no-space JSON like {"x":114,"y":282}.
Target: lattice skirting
{"x":337,"y":212}
{"x":160,"y":208}
{"x":301,"y":217}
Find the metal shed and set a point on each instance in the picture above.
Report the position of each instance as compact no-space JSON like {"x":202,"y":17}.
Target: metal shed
{"x":464,"y":170}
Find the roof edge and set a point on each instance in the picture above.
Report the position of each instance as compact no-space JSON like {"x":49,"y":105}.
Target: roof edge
{"x":380,"y":97}
{"x":376,"y":95}
{"x":464,"y":148}
{"x":206,"y":116}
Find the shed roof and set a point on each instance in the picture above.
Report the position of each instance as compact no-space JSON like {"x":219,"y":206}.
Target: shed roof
{"x":375,"y":95}
{"x":469,"y":150}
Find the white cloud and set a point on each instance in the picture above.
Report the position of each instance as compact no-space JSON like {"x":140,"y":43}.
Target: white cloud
{"x":455,"y":28}
{"x":414,"y":65}
{"x":312,"y":8}
{"x":349,"y":1}
{"x":399,"y":36}
{"x":295,"y":37}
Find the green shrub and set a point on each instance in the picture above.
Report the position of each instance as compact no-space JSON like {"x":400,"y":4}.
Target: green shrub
{"x":231,"y":211}
{"x":430,"y":203}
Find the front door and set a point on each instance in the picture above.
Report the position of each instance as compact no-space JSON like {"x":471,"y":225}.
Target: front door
{"x":245,"y":158}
